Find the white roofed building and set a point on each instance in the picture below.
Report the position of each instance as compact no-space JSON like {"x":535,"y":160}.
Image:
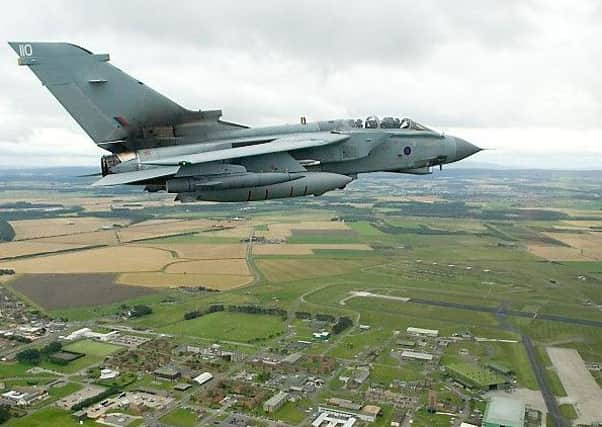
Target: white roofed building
{"x":425,"y":332}
{"x":203,"y":378}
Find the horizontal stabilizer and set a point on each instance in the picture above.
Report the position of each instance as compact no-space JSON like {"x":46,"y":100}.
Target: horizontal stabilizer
{"x":287,"y":143}
{"x":136,"y":176}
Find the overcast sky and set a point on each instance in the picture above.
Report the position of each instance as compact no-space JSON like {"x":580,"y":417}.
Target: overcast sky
{"x":522,"y":77}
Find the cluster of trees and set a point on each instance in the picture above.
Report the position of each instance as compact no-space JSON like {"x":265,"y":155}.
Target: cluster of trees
{"x":198,"y":313}
{"x":36,"y":213}
{"x":4,"y":414}
{"x":249,"y":309}
{"x":342,"y":324}
{"x":140,"y":310}
{"x":257,"y":309}
{"x":325,"y":317}
{"x":33,"y":356}
{"x":303,"y":315}
{"x":92,"y":400}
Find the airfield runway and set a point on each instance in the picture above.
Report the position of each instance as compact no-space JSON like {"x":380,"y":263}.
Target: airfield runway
{"x":582,"y":389}
{"x":499,"y":311}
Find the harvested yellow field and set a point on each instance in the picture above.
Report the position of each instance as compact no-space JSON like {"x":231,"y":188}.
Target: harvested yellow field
{"x":35,"y":228}
{"x":104,"y":204}
{"x":150,"y":231}
{"x":577,"y":212}
{"x":163,"y":280}
{"x":589,"y":244}
{"x":557,"y":253}
{"x":284,"y":270}
{"x":240,"y":231}
{"x":108,"y":237}
{"x":214,"y":266}
{"x":584,"y":224}
{"x":153,"y":223}
{"x":200,"y":250}
{"x":282,"y":231}
{"x":22,"y":248}
{"x":305,"y":249}
{"x":103,"y":260}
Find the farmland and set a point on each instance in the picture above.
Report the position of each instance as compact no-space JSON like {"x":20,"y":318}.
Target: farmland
{"x":52,"y":291}
{"x":102,"y":260}
{"x":451,"y":255}
{"x":36,"y":228}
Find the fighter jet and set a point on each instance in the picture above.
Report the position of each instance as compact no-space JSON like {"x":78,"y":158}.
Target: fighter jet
{"x":156,"y":143}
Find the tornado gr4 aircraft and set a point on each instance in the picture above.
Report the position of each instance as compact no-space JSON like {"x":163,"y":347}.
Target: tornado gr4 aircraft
{"x":164,"y":147}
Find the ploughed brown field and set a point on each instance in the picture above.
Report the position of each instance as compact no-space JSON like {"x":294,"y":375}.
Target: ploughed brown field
{"x":58,"y":291}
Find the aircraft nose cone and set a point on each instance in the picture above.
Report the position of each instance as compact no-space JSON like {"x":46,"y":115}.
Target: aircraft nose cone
{"x":465,"y":149}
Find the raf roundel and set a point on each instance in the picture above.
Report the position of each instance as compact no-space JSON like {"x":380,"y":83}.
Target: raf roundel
{"x":407,"y":151}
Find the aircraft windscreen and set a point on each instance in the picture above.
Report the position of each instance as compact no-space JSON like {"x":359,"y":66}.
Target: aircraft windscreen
{"x":373,"y":122}
{"x":410,"y":124}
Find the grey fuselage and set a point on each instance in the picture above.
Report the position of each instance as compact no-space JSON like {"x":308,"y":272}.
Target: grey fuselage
{"x":367,"y":150}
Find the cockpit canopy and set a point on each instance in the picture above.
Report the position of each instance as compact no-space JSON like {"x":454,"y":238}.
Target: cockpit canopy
{"x":373,"y":122}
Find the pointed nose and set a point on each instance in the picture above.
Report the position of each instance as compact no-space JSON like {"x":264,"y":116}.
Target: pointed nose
{"x":464,"y":149}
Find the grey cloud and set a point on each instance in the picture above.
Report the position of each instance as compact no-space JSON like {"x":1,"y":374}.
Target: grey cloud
{"x":467,"y":63}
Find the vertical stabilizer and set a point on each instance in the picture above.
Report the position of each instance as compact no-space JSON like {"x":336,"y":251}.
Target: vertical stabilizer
{"x":106,"y":102}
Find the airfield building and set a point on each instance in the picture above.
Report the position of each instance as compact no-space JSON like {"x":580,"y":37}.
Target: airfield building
{"x":167,"y":373}
{"x":23,"y":397}
{"x":368,"y":413}
{"x":504,"y":412}
{"x":275,"y":402}
{"x":423,"y":332}
{"x":416,"y":355}
{"x":203,"y":378}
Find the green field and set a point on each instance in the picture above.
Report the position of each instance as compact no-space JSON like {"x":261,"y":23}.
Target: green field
{"x":241,"y":327}
{"x":47,"y":417}
{"x":94,"y":351}
{"x":180,"y":418}
{"x":291,"y":413}
{"x":466,"y":244}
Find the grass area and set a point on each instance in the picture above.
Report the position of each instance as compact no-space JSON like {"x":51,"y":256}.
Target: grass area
{"x":241,"y":327}
{"x":353,"y":344}
{"x":568,"y":411}
{"x":365,"y":229}
{"x":93,"y":348}
{"x":8,"y":370}
{"x":149,"y":381}
{"x":323,"y":236}
{"x":291,"y":413}
{"x":384,"y":374}
{"x":549,"y":371}
{"x":47,"y":417}
{"x":426,"y":419}
{"x":94,"y":351}
{"x":95,"y":312}
{"x":180,"y":418}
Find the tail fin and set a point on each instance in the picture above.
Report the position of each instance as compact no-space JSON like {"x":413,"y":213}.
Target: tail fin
{"x":106,"y":102}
